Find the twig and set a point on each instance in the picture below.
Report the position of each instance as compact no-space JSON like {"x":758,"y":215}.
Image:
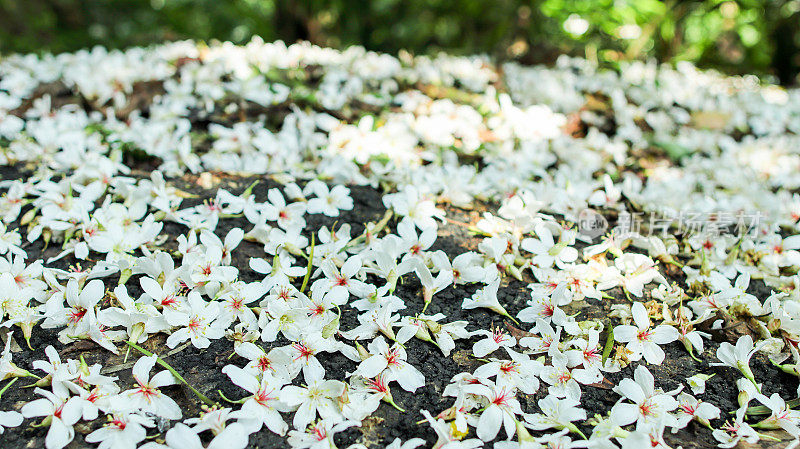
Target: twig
{"x":124,"y":366}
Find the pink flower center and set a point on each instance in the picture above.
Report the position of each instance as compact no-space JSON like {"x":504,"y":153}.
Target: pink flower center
{"x":392,"y":357}
{"x":263,"y":397}
{"x":498,"y":336}
{"x":264,"y":363}
{"x":76,"y":315}
{"x":305,"y":351}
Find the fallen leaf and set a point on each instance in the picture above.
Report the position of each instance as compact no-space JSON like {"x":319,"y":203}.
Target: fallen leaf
{"x":517,"y":332}
{"x":604,"y":384}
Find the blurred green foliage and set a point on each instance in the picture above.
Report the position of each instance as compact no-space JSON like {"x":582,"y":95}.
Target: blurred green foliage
{"x":735,"y":36}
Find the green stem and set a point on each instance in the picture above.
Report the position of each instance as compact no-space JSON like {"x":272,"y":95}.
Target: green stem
{"x":574,"y":429}
{"x":676,"y":263}
{"x":705,"y":424}
{"x":169,"y":368}
{"x":425,"y":307}
{"x":13,"y":379}
{"x":249,"y":190}
{"x":767,"y":437}
{"x":764,"y":410}
{"x":389,"y":400}
{"x":375,"y":230}
{"x":310,"y":265}
{"x":240,"y":401}
{"x":509,"y":317}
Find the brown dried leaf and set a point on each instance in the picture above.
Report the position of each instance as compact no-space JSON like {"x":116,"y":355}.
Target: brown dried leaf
{"x":517,"y":332}
{"x":604,"y":384}
{"x":80,"y":346}
{"x":730,"y":330}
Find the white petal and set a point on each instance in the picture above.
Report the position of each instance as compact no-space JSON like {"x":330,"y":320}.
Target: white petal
{"x":372,"y":366}
{"x":489,"y":423}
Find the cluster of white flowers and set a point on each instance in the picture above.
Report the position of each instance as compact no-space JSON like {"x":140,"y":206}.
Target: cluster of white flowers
{"x":540,"y":144}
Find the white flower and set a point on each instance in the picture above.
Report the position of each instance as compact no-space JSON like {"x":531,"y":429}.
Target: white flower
{"x":690,"y":408}
{"x":415,"y":244}
{"x":288,"y":216}
{"x":10,"y":241}
{"x":547,"y":307}
{"x":427,"y":328}
{"x":197,"y":322}
{"x":467,"y":268}
{"x":235,"y":303}
{"x":279,"y":272}
{"x":226,"y":436}
{"x":393,"y":361}
{"x":263,"y":407}
{"x":487,"y":298}
{"x":328,"y":202}
{"x":632,"y":271}
{"x":520,"y":372}
{"x":556,"y":413}
{"x":730,"y":435}
{"x":139,"y":320}
{"x":410,"y":202}
{"x":122,"y":431}
{"x":563,"y":381}
{"x":319,"y":435}
{"x":501,"y":410}
{"x":179,"y":437}
{"x":62,"y":412}
{"x":588,"y":354}
{"x":232,"y":240}
{"x":79,"y":314}
{"x":374,"y":321}
{"x":346,"y":277}
{"x":647,"y":403}
{"x":9,"y":369}
{"x":641,"y":339}
{"x":494,"y":340}
{"x":446,"y":439}
{"x":738,"y":357}
{"x":318,"y":397}
{"x":304,"y":354}
{"x":781,"y":416}
{"x":276,"y":362}
{"x":410,"y":444}
{"x":547,"y":251}
{"x":146,"y":395}
{"x":545,"y":342}
{"x":165,"y":296}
